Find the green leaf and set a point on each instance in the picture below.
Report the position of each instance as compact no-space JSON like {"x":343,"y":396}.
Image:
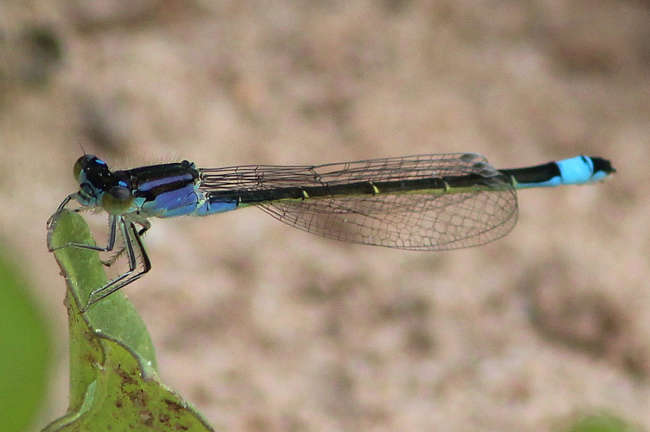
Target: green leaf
{"x":113,"y":380}
{"x":25,"y":352}
{"x":602,"y":423}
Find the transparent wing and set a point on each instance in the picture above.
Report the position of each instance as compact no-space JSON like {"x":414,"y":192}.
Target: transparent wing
{"x":426,"y":219}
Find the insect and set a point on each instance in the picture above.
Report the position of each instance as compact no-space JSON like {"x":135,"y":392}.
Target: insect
{"x":424,"y":203}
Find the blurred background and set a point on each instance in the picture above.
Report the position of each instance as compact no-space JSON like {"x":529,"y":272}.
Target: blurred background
{"x":266,"y":328}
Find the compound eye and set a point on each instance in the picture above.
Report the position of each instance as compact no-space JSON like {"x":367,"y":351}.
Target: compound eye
{"x":76,"y":170}
{"x":117,"y":200}
{"x":88,"y":162}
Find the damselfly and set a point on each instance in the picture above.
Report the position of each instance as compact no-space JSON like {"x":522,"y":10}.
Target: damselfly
{"x":427,"y":202}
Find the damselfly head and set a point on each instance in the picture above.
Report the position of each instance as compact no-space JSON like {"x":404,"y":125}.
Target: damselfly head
{"x":94,"y":179}
{"x":91,"y":167}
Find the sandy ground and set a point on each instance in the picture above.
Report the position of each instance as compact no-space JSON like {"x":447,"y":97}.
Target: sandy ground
{"x":266,"y":328}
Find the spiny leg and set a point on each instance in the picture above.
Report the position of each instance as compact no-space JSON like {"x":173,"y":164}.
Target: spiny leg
{"x":110,"y":245}
{"x":131,"y":235}
{"x":145,"y":227}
